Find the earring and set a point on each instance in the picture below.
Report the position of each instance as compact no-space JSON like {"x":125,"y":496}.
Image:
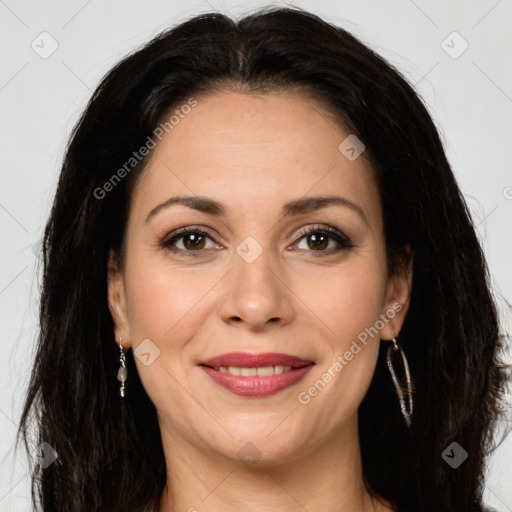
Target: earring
{"x":122,"y":373}
{"x":406,"y":411}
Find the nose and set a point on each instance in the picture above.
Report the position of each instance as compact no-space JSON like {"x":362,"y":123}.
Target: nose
{"x":256,"y":295}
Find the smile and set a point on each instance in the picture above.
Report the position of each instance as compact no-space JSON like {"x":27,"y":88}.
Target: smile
{"x":251,"y":382}
{"x":262,"y":371}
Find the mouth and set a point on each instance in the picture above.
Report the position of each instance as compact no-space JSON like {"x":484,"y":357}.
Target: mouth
{"x":261,"y":371}
{"x":256,"y":375}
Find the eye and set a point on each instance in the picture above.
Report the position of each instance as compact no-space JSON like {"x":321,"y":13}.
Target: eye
{"x":318,"y":239}
{"x":192,"y":240}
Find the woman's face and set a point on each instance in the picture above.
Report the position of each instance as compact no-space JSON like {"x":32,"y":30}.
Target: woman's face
{"x":257,"y":274}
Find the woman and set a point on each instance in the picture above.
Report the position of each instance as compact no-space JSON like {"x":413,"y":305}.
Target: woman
{"x":257,"y":233}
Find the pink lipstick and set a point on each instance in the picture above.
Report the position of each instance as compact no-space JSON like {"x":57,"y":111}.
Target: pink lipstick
{"x":256,"y":375}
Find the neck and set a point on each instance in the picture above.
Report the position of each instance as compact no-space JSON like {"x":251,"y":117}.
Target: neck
{"x":315,"y":479}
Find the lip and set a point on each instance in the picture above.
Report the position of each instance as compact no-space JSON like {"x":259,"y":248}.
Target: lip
{"x":257,"y":386}
{"x":247,"y":360}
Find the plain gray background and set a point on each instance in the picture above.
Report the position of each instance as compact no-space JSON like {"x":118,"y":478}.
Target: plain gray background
{"x":457,"y":53}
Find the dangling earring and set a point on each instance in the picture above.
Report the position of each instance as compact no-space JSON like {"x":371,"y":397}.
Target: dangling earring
{"x":406,"y":411}
{"x":122,"y":373}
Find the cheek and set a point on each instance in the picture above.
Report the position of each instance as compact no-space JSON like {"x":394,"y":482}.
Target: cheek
{"x":347,"y":304}
{"x":159,"y":297}
{"x":165,"y":305}
{"x":346,"y":300}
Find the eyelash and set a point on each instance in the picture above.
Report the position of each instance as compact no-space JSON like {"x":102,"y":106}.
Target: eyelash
{"x":326,"y":229}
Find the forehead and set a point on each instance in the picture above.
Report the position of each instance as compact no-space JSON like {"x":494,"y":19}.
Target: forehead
{"x":251,"y":152}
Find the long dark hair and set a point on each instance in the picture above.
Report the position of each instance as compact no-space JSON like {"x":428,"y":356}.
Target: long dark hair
{"x":110,"y":457}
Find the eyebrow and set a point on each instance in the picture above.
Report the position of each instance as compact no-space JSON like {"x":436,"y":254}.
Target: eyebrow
{"x":289,"y":209}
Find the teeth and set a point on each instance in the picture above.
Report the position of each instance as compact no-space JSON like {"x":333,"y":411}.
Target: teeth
{"x":263,"y":371}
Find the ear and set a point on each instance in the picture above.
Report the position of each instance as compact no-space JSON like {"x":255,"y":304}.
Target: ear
{"x":398,"y":295}
{"x":117,"y":301}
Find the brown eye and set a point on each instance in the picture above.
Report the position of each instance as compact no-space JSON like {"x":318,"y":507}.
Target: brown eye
{"x":317,"y":241}
{"x":319,"y":238}
{"x":192,"y":240}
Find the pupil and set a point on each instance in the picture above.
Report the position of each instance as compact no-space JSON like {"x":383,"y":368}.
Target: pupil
{"x":193,"y":240}
{"x":318,"y":240}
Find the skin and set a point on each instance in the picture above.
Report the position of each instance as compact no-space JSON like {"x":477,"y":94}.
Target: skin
{"x":253,"y":154}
